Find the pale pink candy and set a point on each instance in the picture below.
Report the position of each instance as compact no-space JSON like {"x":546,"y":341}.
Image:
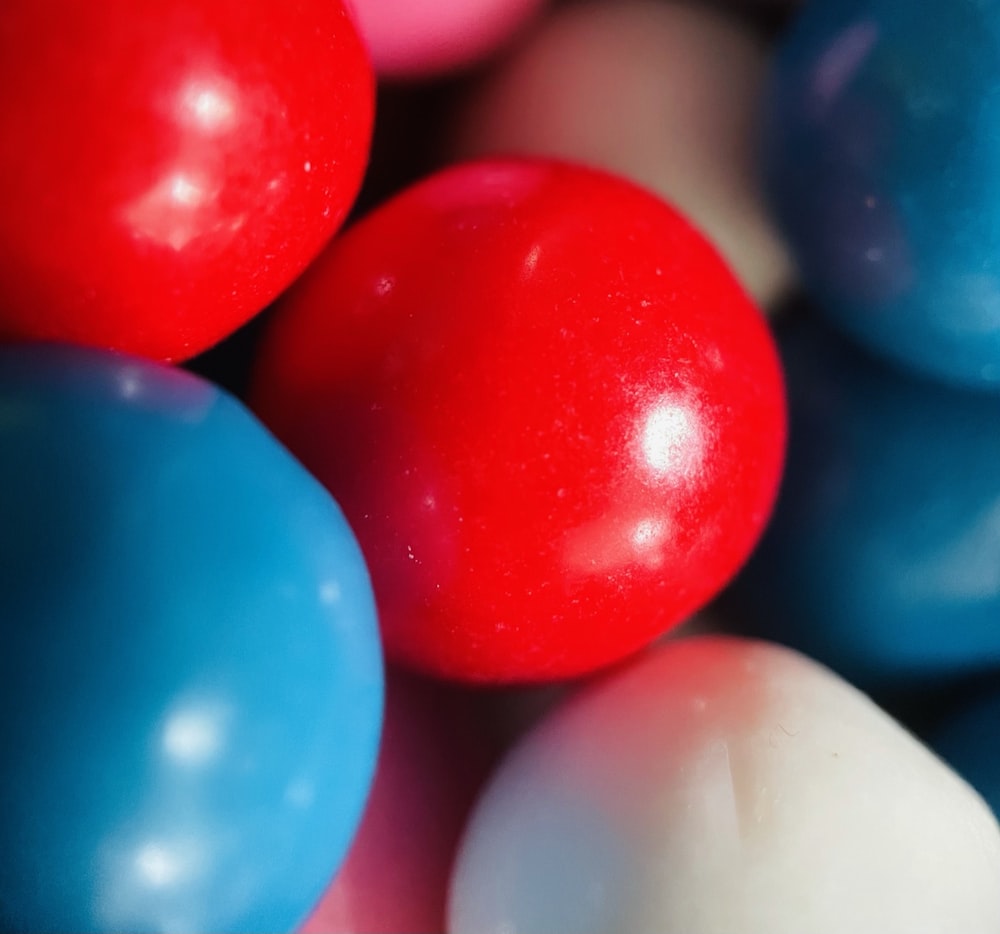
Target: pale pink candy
{"x":432,"y":761}
{"x":415,"y":38}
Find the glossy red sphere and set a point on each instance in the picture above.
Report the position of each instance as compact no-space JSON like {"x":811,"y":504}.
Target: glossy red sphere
{"x":167,"y":167}
{"x":554,"y":419}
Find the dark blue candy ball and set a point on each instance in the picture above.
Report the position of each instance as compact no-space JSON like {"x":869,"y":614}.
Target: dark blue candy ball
{"x":882,"y":163}
{"x":190,"y":673}
{"x":970,"y":741}
{"x":883,"y":557}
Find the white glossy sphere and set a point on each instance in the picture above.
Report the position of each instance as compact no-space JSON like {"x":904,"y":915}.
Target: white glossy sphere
{"x":718,"y":786}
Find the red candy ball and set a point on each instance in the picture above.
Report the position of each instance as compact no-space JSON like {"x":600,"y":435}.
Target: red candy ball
{"x":554,"y":419}
{"x":167,"y":167}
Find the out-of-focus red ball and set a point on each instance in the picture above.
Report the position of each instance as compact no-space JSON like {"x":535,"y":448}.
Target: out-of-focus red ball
{"x":554,"y":419}
{"x":168,"y":167}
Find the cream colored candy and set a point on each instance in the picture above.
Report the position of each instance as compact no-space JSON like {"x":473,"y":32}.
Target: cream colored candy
{"x":663,"y":93}
{"x":720,"y":786}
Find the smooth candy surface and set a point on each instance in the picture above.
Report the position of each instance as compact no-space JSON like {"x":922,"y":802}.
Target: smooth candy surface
{"x":666,"y":94}
{"x":553,"y":417}
{"x":716,"y":786}
{"x":968,"y":740}
{"x":190,"y":684}
{"x":882,"y":557}
{"x":881,"y":147}
{"x":168,"y":167}
{"x":418,"y":38}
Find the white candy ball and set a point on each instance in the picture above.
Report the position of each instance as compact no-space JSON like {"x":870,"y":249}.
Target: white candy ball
{"x":720,"y":786}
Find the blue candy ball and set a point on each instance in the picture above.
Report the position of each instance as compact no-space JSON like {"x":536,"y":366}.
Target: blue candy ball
{"x":191,"y":678}
{"x":882,"y":165}
{"x":970,"y":741}
{"x":883,"y":556}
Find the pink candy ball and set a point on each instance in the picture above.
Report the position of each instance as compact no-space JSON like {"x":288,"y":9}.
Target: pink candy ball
{"x":433,"y":759}
{"x":416,"y":38}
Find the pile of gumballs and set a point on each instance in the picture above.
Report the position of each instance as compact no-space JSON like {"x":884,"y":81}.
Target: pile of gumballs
{"x":499,"y":467}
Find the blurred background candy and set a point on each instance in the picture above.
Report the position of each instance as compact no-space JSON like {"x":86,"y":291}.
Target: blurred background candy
{"x":881,"y":155}
{"x":716,"y":785}
{"x":883,"y":558}
{"x":190,"y":681}
{"x":553,"y":417}
{"x":968,"y":736}
{"x":168,"y":167}
{"x":437,"y":748}
{"x":419,"y":38}
{"x":664,"y":93}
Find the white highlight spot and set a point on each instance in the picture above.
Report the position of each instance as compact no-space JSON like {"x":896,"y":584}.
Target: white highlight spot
{"x":671,"y":439}
{"x":157,"y":866}
{"x":193,"y":735}
{"x":184,"y":191}
{"x":647,"y":534}
{"x":329,"y":593}
{"x":130,"y":383}
{"x":209,"y":105}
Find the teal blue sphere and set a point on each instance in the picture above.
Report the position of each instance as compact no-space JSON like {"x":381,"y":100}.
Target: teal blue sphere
{"x":882,"y":559}
{"x":969,"y":740}
{"x":191,"y":678}
{"x":881,"y":158}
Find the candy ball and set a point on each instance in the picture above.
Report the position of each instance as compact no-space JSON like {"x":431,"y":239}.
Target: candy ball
{"x":717,"y":786}
{"x":419,"y":38}
{"x":553,"y":417}
{"x":882,"y":557}
{"x":666,"y":94}
{"x":434,"y":758}
{"x":968,"y":740}
{"x":191,"y":683}
{"x":881,"y":150}
{"x":168,"y":167}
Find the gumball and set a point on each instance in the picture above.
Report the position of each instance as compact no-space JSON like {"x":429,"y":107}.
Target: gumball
{"x":191,"y":682}
{"x":553,"y":417}
{"x":880,"y":159}
{"x":421,"y":38}
{"x":434,"y":757}
{"x":882,"y":557}
{"x":168,"y":167}
{"x":717,"y":785}
{"x":663,"y":93}
{"x":967,"y":739}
